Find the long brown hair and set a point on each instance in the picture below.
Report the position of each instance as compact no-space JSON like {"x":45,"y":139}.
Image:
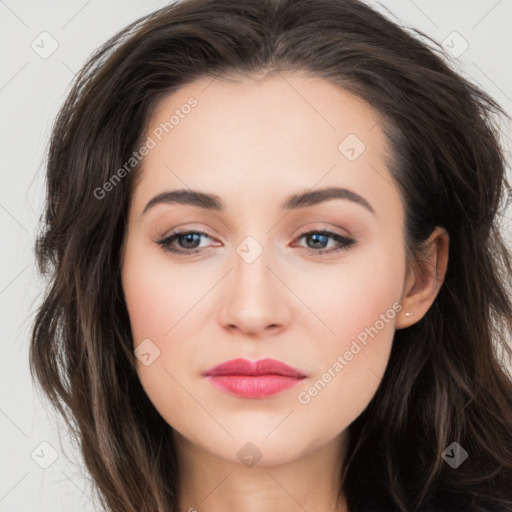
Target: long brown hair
{"x":446,"y":379}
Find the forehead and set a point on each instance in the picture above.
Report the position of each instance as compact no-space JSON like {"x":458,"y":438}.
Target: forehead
{"x":240,"y":137}
{"x":279,"y":110}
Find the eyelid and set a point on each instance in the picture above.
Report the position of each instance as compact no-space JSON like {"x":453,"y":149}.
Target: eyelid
{"x":322,"y":226}
{"x":188,"y":229}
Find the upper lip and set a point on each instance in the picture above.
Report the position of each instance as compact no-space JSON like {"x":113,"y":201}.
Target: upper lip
{"x":266,"y":366}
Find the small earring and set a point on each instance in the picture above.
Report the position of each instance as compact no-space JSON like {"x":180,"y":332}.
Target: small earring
{"x":408,"y":313}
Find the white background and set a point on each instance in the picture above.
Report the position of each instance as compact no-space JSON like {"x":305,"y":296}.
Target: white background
{"x":31,"y":91}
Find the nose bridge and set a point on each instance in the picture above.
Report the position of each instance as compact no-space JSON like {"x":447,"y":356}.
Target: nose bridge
{"x":251,"y":276}
{"x":255,"y":298}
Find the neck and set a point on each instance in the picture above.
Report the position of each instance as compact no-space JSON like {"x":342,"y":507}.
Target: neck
{"x":210,"y":483}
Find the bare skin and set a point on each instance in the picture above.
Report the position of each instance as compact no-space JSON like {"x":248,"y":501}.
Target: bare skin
{"x":254,"y":143}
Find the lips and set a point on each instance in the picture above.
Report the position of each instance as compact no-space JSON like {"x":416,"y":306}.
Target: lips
{"x":254,"y":368}
{"x":258,"y":379}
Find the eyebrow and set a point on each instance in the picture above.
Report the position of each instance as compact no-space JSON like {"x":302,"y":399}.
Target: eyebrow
{"x":214,"y":202}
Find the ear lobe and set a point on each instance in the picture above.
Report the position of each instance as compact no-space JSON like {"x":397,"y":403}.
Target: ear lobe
{"x":425,"y":278}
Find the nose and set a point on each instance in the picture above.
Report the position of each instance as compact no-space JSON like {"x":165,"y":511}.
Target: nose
{"x":255,"y":300}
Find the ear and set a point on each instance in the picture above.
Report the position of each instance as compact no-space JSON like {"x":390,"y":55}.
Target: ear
{"x":424,"y":278}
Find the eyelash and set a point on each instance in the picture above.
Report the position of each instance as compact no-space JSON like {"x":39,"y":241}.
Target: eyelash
{"x":345,"y":242}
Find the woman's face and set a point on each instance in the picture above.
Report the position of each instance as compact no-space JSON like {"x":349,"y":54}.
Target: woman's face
{"x":258,"y":286}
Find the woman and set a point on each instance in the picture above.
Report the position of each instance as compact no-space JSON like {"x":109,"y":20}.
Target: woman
{"x":277,"y":276}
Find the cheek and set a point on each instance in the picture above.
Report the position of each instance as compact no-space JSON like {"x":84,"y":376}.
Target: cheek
{"x":349,"y":366}
{"x":157,"y":296}
{"x":160,"y":301}
{"x":351,"y":298}
{"x":358,"y":305}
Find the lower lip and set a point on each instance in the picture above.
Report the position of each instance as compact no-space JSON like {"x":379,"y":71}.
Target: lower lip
{"x":247,"y":386}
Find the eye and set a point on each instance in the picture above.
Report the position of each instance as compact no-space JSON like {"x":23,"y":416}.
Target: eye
{"x":320,"y":239}
{"x":189,"y":242}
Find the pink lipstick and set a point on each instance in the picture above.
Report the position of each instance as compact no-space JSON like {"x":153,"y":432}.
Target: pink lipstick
{"x":254,"y":379}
